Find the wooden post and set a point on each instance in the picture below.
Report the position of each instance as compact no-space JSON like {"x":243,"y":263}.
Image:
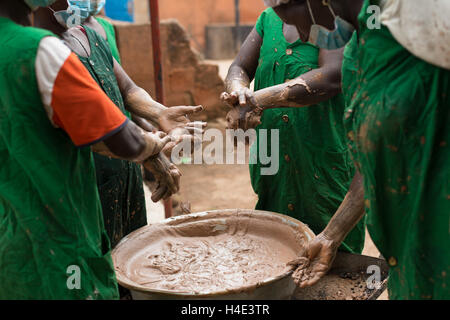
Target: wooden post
{"x":158,"y":72}
{"x":237,"y":26}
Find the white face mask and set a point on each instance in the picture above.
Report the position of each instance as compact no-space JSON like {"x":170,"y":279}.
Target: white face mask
{"x":71,"y":17}
{"x":330,"y":39}
{"x":61,"y":17}
{"x":96,"y":6}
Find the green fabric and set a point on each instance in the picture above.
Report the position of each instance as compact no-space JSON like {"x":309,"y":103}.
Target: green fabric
{"x":312,"y":184}
{"x":50,"y":213}
{"x":120,"y":182}
{"x":398,"y":122}
{"x":111,"y":37}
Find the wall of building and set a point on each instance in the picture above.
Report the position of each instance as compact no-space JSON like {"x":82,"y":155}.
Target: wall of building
{"x":121,"y":10}
{"x":188,"y":80}
{"x":194,"y":15}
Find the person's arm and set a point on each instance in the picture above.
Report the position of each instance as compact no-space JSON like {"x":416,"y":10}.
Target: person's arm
{"x":319,"y":254}
{"x":76,"y":104}
{"x":315,"y":86}
{"x":242,"y":71}
{"x":132,"y":143}
{"x":141,"y":104}
{"x":174,"y":121}
{"x":144,"y":124}
{"x":137,"y":100}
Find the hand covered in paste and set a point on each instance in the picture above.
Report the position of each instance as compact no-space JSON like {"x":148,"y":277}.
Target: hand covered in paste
{"x":190,"y":134}
{"x":314,"y":262}
{"x":177,"y":117}
{"x":240,"y":97}
{"x":244,"y":118}
{"x":166,"y":174}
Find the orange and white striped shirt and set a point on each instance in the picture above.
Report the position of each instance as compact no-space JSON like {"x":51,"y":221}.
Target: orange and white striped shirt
{"x":73,"y":100}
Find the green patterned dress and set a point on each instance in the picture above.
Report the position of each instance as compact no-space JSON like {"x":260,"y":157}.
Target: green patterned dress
{"x":50,"y":213}
{"x":315,"y":164}
{"x":398,"y":123}
{"x":119,"y":182}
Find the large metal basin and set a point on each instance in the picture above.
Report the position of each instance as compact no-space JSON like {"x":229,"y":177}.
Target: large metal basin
{"x":280,"y":286}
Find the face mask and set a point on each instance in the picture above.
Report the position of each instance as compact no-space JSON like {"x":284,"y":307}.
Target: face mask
{"x":34,"y":4}
{"x":97,"y":6}
{"x":330,"y":39}
{"x":71,"y":17}
{"x":81,"y":8}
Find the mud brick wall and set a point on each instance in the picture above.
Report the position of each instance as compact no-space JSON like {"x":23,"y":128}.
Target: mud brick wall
{"x":187,"y":79}
{"x":195,"y":15}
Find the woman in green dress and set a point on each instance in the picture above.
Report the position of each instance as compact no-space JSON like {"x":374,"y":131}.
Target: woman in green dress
{"x":398,"y":125}
{"x":52,"y":239}
{"x":105,"y":29}
{"x":119,"y":182}
{"x":128,"y":185}
{"x":315,"y":167}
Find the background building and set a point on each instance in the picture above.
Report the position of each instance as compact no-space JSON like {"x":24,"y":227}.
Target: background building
{"x":194,"y":15}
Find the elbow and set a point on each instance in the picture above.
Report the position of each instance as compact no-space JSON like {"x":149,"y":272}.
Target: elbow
{"x":236,"y":71}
